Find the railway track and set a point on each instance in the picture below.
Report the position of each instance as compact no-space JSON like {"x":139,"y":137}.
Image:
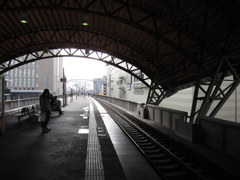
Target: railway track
{"x":163,"y":154}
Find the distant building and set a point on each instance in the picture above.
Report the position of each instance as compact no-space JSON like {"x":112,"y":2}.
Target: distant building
{"x":100,"y":86}
{"x":31,"y":79}
{"x":123,"y":85}
{"x":50,"y":74}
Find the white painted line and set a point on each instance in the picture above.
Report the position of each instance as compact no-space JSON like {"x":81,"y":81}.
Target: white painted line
{"x":83,"y":131}
{"x":85,"y":108}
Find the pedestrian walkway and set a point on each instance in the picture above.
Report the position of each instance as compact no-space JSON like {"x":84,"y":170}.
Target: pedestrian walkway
{"x":73,"y":149}
{"x":27,"y":154}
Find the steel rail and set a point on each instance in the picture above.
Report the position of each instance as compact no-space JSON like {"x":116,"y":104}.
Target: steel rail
{"x":153,"y":142}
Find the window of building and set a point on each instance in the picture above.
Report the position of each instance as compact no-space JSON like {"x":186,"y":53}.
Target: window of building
{"x":11,"y":73}
{"x":33,"y":71}
{"x":20,"y":71}
{"x":29,"y":82}
{"x":119,"y":82}
{"x":24,"y":72}
{"x":20,"y":82}
{"x":33,"y":83}
{"x":11,"y":81}
{"x":24,"y":82}
{"x":36,"y":72}
{"x":15,"y":82}
{"x":29,"y":72}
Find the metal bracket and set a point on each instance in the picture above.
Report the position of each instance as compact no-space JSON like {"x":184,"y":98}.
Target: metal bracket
{"x":156,"y":94}
{"x":210,"y":96}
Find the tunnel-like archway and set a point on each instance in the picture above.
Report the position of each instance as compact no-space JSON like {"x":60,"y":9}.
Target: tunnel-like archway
{"x":78,"y":53}
{"x":176,"y":44}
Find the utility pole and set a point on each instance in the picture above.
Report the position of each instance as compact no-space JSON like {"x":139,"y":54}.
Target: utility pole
{"x":110,"y":88}
{"x":64,"y":80}
{"x":85,"y":89}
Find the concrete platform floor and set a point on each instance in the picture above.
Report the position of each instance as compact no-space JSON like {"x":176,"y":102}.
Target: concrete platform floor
{"x":83,"y":144}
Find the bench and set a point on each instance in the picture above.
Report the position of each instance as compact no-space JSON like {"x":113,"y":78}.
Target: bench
{"x":35,"y":112}
{"x":30,"y":111}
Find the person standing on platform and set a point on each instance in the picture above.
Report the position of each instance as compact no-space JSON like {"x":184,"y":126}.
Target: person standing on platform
{"x":56,"y":104}
{"x":45,"y":107}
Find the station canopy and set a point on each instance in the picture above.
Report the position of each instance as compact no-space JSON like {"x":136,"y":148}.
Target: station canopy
{"x":173,"y":42}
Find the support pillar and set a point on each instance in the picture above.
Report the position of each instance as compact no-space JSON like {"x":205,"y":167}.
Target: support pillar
{"x":2,"y":101}
{"x":64,"y":81}
{"x":220,"y":87}
{"x":156,"y":94}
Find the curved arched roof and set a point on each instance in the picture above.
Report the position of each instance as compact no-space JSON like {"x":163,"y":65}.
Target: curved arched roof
{"x":172,"y":41}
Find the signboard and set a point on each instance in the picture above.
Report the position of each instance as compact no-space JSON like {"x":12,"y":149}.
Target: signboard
{"x":2,"y":87}
{"x":63,"y":79}
{"x":138,"y":85}
{"x":128,"y":78}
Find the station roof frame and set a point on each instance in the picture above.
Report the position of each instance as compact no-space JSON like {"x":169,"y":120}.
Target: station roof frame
{"x":173,"y":42}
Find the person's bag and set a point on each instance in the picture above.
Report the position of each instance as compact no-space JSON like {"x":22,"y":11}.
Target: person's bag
{"x":41,"y":117}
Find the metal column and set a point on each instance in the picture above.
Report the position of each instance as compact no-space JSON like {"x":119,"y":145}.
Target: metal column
{"x":210,"y":96}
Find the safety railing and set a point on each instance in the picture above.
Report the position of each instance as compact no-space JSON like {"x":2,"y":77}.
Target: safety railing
{"x":129,"y":105}
{"x":13,"y":105}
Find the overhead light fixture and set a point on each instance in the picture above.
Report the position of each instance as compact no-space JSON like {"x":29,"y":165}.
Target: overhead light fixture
{"x":24,"y":18}
{"x":45,"y":50}
{"x":85,"y":20}
{"x":86,"y":51}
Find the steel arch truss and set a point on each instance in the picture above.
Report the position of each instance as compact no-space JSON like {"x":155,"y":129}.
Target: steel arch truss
{"x":167,"y":19}
{"x":56,"y":39}
{"x":83,"y":53}
{"x":210,"y":96}
{"x":157,"y":93}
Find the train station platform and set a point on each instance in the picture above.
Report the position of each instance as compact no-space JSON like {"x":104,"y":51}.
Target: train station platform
{"x":84,"y":143}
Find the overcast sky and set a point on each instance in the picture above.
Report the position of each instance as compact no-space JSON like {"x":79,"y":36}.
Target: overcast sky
{"x":83,"y":68}
{"x":80,"y":68}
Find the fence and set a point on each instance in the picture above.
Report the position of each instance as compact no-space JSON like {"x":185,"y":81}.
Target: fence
{"x":221,"y":135}
{"x":16,"y":104}
{"x":13,"y":105}
{"x":129,"y":105}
